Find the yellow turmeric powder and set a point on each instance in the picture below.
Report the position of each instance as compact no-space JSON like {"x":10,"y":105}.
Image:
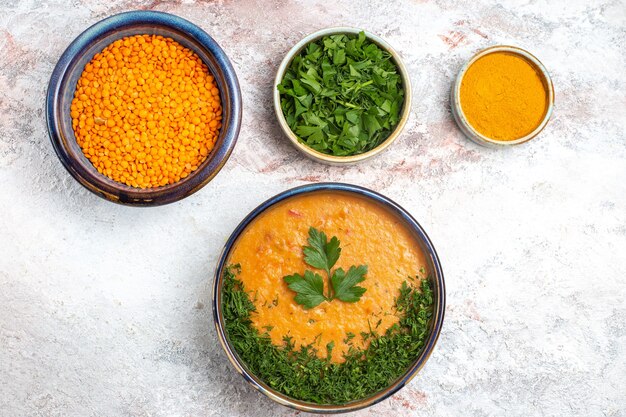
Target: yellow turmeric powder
{"x":503,"y":96}
{"x":146,"y":111}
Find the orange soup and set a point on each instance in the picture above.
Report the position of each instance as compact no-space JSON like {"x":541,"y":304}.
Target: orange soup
{"x":271,"y":248}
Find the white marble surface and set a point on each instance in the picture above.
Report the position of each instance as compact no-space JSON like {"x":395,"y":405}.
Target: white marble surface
{"x":105,"y":310}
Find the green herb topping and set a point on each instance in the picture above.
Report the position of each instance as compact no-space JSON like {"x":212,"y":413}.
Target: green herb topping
{"x":342,"y":95}
{"x":302,"y":374}
{"x":323,"y":254}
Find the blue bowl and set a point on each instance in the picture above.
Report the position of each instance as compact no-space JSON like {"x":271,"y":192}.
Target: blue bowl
{"x":69,"y":69}
{"x":437,"y":282}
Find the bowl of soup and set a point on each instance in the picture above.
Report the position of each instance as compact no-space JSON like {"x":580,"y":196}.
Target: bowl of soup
{"x":328,"y":298}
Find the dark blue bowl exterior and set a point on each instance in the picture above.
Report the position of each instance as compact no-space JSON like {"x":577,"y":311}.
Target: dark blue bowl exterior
{"x":81,"y":51}
{"x":439,"y":293}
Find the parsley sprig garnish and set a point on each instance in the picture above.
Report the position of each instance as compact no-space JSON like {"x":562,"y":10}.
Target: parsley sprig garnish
{"x":323,"y":254}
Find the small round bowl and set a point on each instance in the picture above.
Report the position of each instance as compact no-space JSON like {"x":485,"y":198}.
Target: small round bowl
{"x":457,"y":109}
{"x":438,"y":292}
{"x":331,"y":159}
{"x":69,"y":69}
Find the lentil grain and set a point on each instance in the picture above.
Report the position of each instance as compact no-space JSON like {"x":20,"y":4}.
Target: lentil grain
{"x":146,"y":111}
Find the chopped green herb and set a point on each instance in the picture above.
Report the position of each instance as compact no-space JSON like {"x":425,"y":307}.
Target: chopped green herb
{"x":342,"y":95}
{"x":349,"y":337}
{"x":323,"y":254}
{"x":302,"y":374}
{"x":329,"y":349}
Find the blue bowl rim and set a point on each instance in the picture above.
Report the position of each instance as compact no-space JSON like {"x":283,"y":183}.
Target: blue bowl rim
{"x":439,"y":312}
{"x":158,"y":195}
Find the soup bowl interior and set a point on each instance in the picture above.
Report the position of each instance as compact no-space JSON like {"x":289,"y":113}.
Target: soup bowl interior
{"x":435,"y":275}
{"x":69,"y":69}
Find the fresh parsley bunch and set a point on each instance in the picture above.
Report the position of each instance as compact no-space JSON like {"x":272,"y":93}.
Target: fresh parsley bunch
{"x":342,"y":95}
{"x":323,"y":254}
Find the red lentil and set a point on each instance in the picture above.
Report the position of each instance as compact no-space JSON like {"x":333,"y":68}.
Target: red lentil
{"x":146,"y":111}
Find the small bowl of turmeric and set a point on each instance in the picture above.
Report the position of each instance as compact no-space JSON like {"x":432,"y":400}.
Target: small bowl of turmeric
{"x":143,"y":108}
{"x":503,"y":96}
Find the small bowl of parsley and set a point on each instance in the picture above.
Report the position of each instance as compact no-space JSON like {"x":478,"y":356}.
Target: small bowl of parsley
{"x":342,"y":95}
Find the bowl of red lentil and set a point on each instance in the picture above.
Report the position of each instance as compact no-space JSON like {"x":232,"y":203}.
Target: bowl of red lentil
{"x":143,"y":108}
